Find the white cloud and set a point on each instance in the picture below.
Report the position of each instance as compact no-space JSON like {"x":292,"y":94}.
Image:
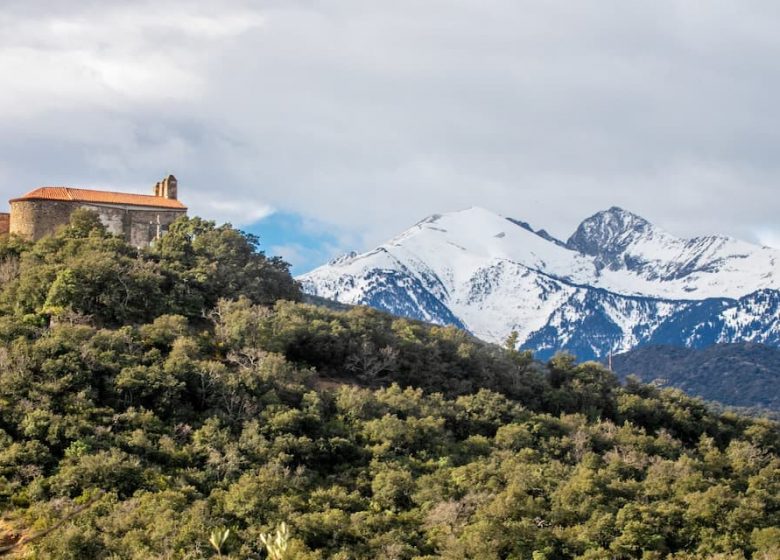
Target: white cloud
{"x":111,"y":57}
{"x":232,"y":211}
{"x":372,"y":115}
{"x":302,"y":257}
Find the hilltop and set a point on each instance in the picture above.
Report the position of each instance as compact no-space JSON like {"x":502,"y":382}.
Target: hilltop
{"x":152,"y":399}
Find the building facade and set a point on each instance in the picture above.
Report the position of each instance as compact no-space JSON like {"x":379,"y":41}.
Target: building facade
{"x":139,"y":218}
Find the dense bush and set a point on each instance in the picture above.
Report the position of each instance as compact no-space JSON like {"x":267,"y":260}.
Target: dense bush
{"x":84,"y":271}
{"x":369,"y":436}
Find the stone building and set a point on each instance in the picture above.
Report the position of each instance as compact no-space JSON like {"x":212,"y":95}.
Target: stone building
{"x":139,"y":218}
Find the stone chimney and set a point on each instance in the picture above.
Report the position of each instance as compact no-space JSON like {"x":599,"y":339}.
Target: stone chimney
{"x":171,"y":188}
{"x":167,"y":188}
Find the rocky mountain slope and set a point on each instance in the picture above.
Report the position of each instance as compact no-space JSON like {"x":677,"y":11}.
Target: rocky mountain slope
{"x":618,"y":282}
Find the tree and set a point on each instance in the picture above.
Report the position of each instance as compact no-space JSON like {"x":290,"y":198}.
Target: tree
{"x":205,"y":262}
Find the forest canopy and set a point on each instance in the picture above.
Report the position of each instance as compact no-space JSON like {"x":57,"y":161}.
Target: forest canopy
{"x":181,"y":402}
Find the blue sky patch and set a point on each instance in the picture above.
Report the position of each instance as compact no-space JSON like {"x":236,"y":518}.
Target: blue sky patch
{"x":303,"y":242}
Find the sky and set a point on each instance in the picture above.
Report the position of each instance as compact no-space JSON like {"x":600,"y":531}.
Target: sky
{"x":326,"y":126}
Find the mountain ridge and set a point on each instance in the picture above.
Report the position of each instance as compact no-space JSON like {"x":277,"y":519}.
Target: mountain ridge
{"x":736,"y":374}
{"x":613,"y":285}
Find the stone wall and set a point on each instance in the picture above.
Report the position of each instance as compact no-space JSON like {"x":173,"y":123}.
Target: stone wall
{"x":5,"y":223}
{"x":141,"y":225}
{"x":34,"y":219}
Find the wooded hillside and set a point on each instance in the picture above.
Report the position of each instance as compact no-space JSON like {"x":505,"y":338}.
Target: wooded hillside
{"x":183,"y":391}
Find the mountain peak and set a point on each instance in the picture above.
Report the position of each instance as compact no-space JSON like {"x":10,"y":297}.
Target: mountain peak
{"x":618,"y":282}
{"x":608,"y":232}
{"x":472,"y":213}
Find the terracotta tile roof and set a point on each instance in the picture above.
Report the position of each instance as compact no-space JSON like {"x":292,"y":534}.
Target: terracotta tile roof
{"x":100,"y":197}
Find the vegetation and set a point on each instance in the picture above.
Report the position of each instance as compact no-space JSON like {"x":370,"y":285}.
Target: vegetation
{"x":179,"y":403}
{"x":745,"y":375}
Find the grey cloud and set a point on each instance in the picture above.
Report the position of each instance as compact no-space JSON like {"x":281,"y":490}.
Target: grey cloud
{"x":371,"y":115}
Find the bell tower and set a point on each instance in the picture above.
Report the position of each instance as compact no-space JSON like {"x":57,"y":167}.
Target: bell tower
{"x":167,"y":188}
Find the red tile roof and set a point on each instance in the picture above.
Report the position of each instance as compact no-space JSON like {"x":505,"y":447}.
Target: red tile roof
{"x":100,"y":197}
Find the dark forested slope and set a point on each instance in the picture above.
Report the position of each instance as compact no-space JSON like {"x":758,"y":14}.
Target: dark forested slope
{"x":151,"y":401}
{"x":744,"y":375}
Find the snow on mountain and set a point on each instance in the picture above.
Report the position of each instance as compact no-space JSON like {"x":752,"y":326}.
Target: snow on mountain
{"x":635,"y":257}
{"x":617,"y":283}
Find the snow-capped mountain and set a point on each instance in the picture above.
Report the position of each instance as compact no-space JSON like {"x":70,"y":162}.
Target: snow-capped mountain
{"x":714,"y":266}
{"x":618,"y":282}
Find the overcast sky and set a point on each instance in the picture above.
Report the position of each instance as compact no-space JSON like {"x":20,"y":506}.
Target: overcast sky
{"x":332,"y":125}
